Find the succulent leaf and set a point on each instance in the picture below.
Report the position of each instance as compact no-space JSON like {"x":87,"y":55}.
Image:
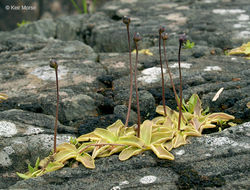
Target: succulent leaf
{"x":197,"y":106}
{"x":3,"y":97}
{"x":115,"y":127}
{"x":206,"y":126}
{"x":24,"y":176}
{"x":146,"y":131}
{"x":160,"y":137}
{"x":129,"y":152}
{"x":84,"y":145}
{"x":128,"y":131}
{"x":214,"y":117}
{"x":53,"y":166}
{"x":158,"y":120}
{"x":168,"y":145}
{"x":179,"y":139}
{"x":131,"y":141}
{"x":37,"y":163}
{"x":88,"y":137}
{"x":105,"y":134}
{"x":65,"y":146}
{"x":86,"y":160}
{"x":161,"y":152}
{"x":98,"y":150}
{"x":111,"y":150}
{"x":64,"y":155}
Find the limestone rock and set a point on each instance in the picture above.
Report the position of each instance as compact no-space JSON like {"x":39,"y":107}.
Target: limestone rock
{"x":217,"y":160}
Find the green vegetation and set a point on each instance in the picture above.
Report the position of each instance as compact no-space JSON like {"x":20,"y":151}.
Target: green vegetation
{"x":160,"y":135}
{"x":24,"y":22}
{"x":189,"y":45}
{"x":242,"y":50}
{"x":86,"y":8}
{"x":3,"y":97}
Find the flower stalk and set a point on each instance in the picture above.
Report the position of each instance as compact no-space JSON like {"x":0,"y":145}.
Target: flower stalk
{"x":126,"y":20}
{"x":136,"y":39}
{"x":161,"y":30}
{"x":54,"y":65}
{"x":182,"y":39}
{"x":164,"y":38}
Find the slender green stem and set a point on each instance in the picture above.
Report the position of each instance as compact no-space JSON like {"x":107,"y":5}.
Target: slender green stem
{"x":76,"y":6}
{"x":162,"y":76}
{"x":85,"y":6}
{"x":180,"y":104}
{"x":131,"y":79}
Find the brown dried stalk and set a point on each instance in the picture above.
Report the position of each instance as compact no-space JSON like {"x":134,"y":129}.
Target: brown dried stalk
{"x":137,"y":38}
{"x":182,"y":39}
{"x":161,"y":30}
{"x":126,"y":20}
{"x":54,"y":65}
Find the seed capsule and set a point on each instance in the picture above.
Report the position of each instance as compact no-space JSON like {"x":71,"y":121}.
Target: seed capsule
{"x":164,"y":36}
{"x":137,"y":37}
{"x":182,"y":38}
{"x":53,"y":64}
{"x":162,"y":29}
{"x":126,"y":20}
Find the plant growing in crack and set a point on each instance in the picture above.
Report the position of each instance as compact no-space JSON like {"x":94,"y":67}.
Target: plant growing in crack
{"x":3,"y":97}
{"x":87,"y":6}
{"x":160,"y":135}
{"x":196,"y":121}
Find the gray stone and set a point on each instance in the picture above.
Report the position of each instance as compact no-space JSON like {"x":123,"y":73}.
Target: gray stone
{"x":69,"y":27}
{"x":146,"y":101}
{"x":211,"y":161}
{"x":33,"y":74}
{"x":26,"y":136}
{"x":18,"y":123}
{"x":121,"y":112}
{"x":92,"y":53}
{"x":45,"y":28}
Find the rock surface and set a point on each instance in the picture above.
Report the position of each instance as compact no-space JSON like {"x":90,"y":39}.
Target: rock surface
{"x":218,"y":160}
{"x":93,"y":59}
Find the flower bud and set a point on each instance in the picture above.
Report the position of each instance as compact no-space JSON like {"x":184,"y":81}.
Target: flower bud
{"x":182,"y":38}
{"x":164,"y":36}
{"x":162,"y":29}
{"x":126,"y":20}
{"x":137,"y":37}
{"x":53,"y":64}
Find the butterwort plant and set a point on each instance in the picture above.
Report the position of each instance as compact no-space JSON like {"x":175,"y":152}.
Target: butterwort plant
{"x":3,"y":97}
{"x":159,"y":135}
